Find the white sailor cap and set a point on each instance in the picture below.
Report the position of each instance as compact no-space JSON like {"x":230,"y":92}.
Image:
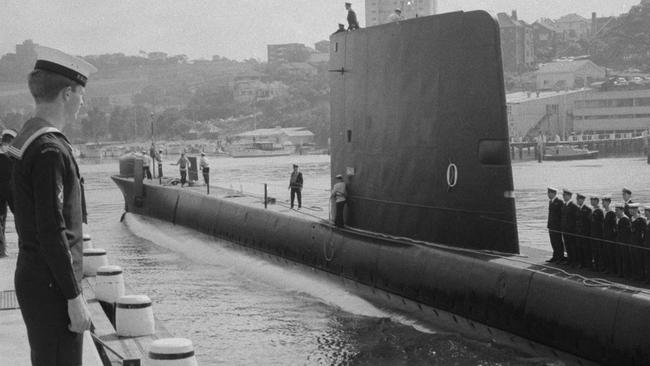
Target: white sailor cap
{"x":634,"y":205}
{"x":646,"y":206}
{"x":607,"y":197}
{"x":61,"y":63}
{"x":619,"y":205}
{"x":339,"y":176}
{"x":551,"y":189}
{"x":9,"y":132}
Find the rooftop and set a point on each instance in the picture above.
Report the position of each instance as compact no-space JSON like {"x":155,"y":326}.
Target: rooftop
{"x":564,"y":66}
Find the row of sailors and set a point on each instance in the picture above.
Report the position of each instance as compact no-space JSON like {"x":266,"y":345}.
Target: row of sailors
{"x":599,"y":238}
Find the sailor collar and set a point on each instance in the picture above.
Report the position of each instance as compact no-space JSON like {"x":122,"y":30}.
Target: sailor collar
{"x":33,"y":129}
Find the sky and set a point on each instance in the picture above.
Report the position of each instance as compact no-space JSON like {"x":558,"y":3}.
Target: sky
{"x":235,"y":29}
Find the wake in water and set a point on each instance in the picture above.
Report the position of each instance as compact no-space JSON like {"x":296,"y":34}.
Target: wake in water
{"x":206,"y":250}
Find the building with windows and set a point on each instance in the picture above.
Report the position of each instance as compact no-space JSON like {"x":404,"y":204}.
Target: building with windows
{"x":568,"y":75}
{"x":517,"y":42}
{"x":377,"y":11}
{"x":573,"y":27}
{"x":617,"y":111}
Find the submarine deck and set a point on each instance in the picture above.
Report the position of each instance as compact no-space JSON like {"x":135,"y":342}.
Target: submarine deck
{"x":532,"y":258}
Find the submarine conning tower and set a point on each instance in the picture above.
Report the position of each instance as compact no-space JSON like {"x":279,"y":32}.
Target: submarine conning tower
{"x":419,"y":130}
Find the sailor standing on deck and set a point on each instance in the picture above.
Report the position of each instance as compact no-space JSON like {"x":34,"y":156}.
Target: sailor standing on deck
{"x":597,"y":218}
{"x":627,"y":199}
{"x":47,"y":198}
{"x":554,"y":225}
{"x":6,"y":197}
{"x":569,"y":213}
{"x":339,"y":195}
{"x":295,"y":186}
{"x":204,"y":165}
{"x":146,"y":165}
{"x":646,"y":244}
{"x":183,"y":164}
{"x":159,"y":159}
{"x":638,"y":225}
{"x":583,"y":226}
{"x":353,"y":23}
{"x":623,"y":233}
{"x":608,"y":255}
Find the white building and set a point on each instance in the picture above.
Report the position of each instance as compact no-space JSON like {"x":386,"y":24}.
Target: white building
{"x":568,"y":75}
{"x":377,"y":11}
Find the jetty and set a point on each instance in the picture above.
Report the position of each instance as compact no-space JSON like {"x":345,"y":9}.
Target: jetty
{"x":107,"y":349}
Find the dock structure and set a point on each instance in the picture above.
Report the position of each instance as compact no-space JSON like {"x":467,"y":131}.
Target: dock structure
{"x":14,"y":345}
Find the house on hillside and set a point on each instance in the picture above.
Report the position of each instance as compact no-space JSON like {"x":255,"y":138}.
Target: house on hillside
{"x":254,"y":86}
{"x":545,"y":39}
{"x":568,"y":75}
{"x":573,"y":27}
{"x":517,"y":42}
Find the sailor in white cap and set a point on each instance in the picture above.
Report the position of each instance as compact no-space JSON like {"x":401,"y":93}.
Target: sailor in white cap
{"x":6,"y":200}
{"x":48,"y":215}
{"x":623,"y":237}
{"x":627,"y":199}
{"x":339,"y":196}
{"x":609,"y":236}
{"x":597,"y":245}
{"x":204,"y":165}
{"x":554,"y":225}
{"x":569,"y":218}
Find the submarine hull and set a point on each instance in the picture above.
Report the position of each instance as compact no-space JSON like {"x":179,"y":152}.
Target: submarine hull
{"x":493,"y":293}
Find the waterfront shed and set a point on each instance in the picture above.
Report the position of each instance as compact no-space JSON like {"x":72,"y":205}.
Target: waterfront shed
{"x":568,"y":74}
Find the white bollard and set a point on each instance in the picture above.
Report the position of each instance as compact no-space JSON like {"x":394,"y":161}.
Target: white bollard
{"x":109,"y":285}
{"x":93,"y":259}
{"x":87,"y":241}
{"x":134,"y":316}
{"x":171,"y":352}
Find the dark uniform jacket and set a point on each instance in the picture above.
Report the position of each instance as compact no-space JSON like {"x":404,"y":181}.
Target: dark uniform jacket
{"x":6,"y":166}
{"x":569,"y":216}
{"x":583,"y":224}
{"x":637,"y":231}
{"x":626,"y":209}
{"x":48,"y":203}
{"x":646,"y":236}
{"x":609,"y":226}
{"x":296,"y":180}
{"x":623,"y":230}
{"x":352,"y":20}
{"x":555,"y":214}
{"x":597,"y":218}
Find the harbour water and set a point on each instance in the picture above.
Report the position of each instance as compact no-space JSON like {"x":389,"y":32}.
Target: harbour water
{"x":241,"y":309}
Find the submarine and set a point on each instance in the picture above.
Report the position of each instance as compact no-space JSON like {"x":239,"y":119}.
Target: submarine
{"x":419,"y":131}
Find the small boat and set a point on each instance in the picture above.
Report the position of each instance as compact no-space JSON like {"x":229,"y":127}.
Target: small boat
{"x":260,"y":149}
{"x":568,"y":152}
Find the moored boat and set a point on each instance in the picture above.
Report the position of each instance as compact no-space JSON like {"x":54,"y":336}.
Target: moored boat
{"x":568,"y":152}
{"x":260,"y":149}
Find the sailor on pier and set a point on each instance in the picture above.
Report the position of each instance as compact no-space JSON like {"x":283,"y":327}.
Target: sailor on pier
{"x":48,"y":215}
{"x":597,"y":245}
{"x":569,"y":215}
{"x":609,"y":237}
{"x":554,"y":225}
{"x":6,"y":198}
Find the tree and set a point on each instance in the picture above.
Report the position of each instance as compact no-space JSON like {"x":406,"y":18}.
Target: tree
{"x":95,"y":125}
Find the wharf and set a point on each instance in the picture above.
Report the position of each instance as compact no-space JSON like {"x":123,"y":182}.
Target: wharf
{"x":14,"y":345}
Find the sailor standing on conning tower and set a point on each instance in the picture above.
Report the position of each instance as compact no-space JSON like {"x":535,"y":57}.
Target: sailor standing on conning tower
{"x":353,"y":23}
{"x":48,"y":215}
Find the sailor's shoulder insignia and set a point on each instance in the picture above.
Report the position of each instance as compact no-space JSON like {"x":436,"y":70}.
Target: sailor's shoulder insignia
{"x":47,"y":149}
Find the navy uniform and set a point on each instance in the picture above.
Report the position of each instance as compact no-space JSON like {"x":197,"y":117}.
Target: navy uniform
{"x":646,"y":245}
{"x":48,"y":217}
{"x":623,"y":237}
{"x":627,"y":200}
{"x":569,"y":216}
{"x":583,"y":227}
{"x":6,"y":197}
{"x":609,"y":237}
{"x":295,"y":186}
{"x":353,"y":23}
{"x":597,"y":218}
{"x":637,"y":231}
{"x":554,"y":225}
